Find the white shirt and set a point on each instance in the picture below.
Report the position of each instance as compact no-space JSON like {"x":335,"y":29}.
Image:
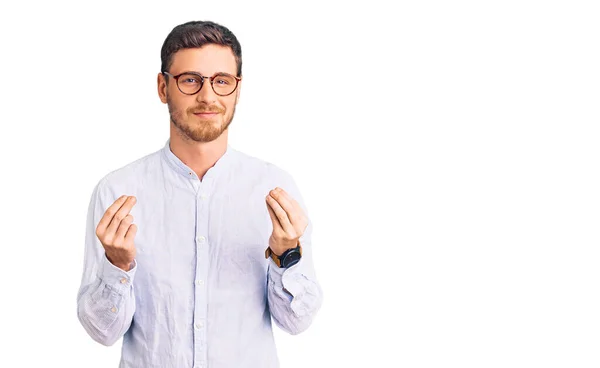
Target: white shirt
{"x":201,"y":293}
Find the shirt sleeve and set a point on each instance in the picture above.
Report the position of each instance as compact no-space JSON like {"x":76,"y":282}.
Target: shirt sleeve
{"x":105,"y":301}
{"x":294,"y":295}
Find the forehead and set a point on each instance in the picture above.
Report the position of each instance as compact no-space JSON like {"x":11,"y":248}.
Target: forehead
{"x":207,"y":60}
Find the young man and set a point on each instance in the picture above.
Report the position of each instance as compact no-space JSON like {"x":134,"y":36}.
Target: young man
{"x":221,"y":240}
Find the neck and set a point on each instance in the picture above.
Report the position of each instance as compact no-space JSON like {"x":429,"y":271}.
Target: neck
{"x":198,"y":156}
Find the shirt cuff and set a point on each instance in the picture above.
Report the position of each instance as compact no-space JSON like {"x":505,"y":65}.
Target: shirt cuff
{"x":115,"y":277}
{"x":287,"y":277}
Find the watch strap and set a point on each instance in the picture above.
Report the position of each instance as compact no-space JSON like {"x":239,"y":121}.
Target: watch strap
{"x":276,"y":258}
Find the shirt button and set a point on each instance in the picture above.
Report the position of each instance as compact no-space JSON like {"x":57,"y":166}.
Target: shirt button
{"x":201,"y":239}
{"x":198,"y":325}
{"x":114,"y":309}
{"x":123,"y":280}
{"x":199,"y":282}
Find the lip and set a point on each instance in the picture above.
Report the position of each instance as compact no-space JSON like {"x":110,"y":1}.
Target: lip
{"x":205,"y":114}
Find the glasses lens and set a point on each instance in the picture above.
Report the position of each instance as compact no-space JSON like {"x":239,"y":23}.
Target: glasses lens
{"x":189,"y":83}
{"x":224,"y":84}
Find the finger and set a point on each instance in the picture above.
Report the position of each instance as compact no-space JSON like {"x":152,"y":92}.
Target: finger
{"x":287,"y":203}
{"x":120,"y":215}
{"x":281,"y":216}
{"x":122,"y":230}
{"x":110,"y":212}
{"x":297,"y":216}
{"x":276,"y":225}
{"x":131,"y":234}
{"x":297,"y":210}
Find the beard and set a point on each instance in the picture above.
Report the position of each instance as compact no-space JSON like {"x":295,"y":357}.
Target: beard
{"x":203,"y":130}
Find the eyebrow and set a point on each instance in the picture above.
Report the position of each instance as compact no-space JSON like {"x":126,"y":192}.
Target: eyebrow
{"x":198,"y":73}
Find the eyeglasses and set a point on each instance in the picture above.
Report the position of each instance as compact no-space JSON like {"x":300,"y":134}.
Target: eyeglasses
{"x":190,"y":83}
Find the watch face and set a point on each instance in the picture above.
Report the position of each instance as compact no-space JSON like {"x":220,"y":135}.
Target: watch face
{"x":291,"y":259}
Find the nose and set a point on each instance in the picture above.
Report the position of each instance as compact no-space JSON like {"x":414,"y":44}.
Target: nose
{"x":206,"y":93}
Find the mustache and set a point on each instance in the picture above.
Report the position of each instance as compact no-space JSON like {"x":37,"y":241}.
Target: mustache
{"x":203,"y":109}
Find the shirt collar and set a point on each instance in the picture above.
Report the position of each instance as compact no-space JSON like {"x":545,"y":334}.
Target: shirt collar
{"x":176,"y":164}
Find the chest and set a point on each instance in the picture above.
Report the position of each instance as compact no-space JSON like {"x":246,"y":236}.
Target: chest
{"x":221,"y":234}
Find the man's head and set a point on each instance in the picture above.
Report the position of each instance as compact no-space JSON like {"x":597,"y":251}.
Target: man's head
{"x":193,"y":53}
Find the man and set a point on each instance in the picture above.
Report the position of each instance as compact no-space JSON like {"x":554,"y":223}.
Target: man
{"x":221,"y":240}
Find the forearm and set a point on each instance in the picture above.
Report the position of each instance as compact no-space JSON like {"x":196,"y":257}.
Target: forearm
{"x":294,"y":296}
{"x":106,"y":306}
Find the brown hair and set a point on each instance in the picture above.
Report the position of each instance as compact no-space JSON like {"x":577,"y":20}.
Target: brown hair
{"x":196,"y":34}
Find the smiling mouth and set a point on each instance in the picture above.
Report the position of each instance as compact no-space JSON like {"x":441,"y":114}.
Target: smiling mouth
{"x":206,"y":114}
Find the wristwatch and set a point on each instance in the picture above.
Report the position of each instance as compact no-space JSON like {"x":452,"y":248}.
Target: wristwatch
{"x":288,"y":258}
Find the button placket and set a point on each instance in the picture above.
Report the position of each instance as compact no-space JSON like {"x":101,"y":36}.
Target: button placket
{"x":202,"y":251}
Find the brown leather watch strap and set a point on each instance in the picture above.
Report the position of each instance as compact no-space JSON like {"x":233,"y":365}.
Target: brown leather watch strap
{"x":269,"y":253}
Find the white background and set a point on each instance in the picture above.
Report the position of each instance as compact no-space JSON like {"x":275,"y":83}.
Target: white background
{"x":448,"y":153}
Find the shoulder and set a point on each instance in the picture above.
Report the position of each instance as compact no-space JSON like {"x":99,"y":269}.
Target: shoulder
{"x":131,"y":174}
{"x":253,"y":166}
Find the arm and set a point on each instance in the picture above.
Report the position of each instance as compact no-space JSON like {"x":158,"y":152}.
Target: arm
{"x":105,"y":301}
{"x":294,"y":295}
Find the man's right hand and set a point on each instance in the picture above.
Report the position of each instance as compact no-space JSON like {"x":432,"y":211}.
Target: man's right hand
{"x":116,"y":232}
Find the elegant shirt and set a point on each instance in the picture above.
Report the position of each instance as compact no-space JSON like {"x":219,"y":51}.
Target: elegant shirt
{"x":200,"y":292}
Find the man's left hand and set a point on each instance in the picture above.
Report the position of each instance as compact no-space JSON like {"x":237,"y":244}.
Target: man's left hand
{"x":289,"y":221}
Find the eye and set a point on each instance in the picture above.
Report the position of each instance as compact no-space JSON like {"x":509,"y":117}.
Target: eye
{"x":222,"y":81}
{"x":191,"y":80}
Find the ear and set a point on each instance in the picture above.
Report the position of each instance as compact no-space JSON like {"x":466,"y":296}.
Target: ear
{"x":237,"y":92}
{"x":162,"y":88}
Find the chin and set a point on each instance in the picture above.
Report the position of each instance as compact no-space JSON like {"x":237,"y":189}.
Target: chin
{"x":205,"y":136}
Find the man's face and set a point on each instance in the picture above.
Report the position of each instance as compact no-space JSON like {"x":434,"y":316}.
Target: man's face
{"x":204,"y":116}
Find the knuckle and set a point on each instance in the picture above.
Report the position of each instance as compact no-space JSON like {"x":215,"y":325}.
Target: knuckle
{"x":106,"y":239}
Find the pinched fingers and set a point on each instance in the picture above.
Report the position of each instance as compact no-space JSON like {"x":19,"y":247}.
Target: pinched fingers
{"x":109,"y":214}
{"x":116,"y":221}
{"x":292,"y":208}
{"x":120,"y":215}
{"x":122,"y":230}
{"x":279,"y":216}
